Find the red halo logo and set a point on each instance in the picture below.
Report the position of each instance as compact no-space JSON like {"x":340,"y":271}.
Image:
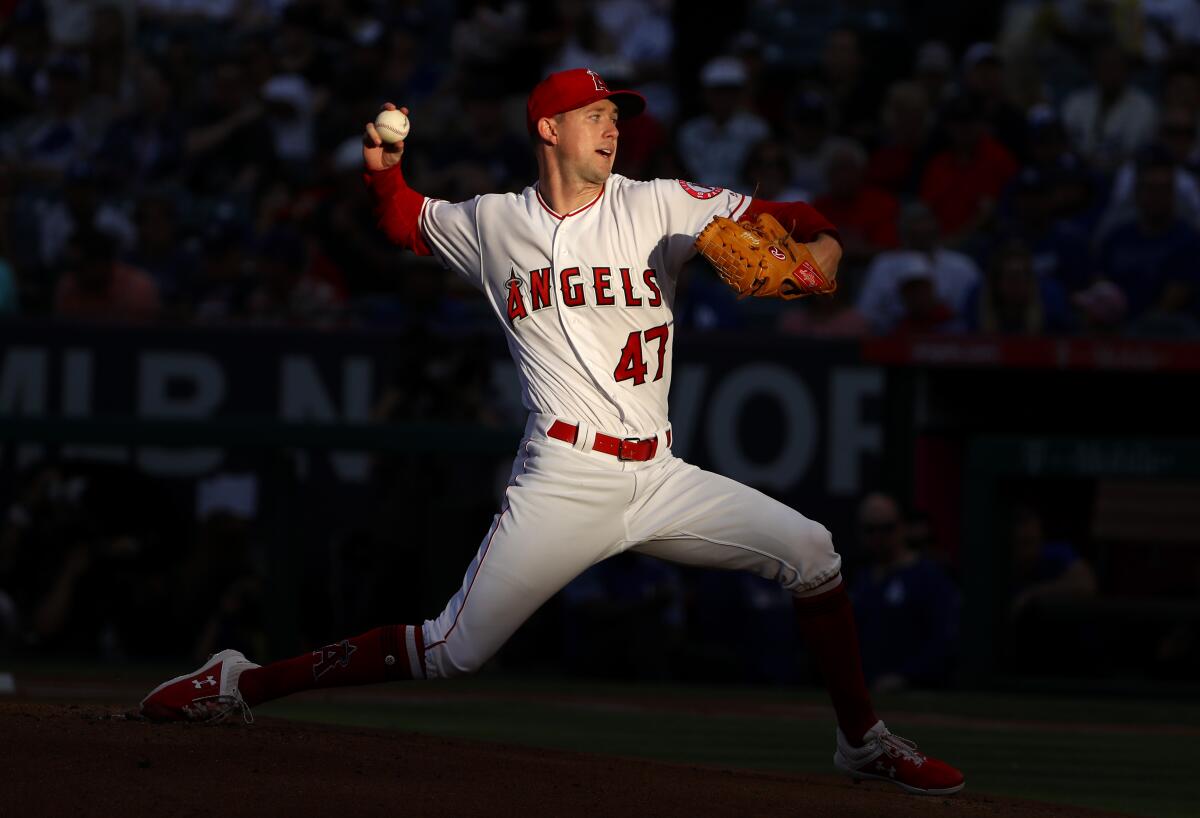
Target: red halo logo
{"x":775,"y":251}
{"x":699,"y":191}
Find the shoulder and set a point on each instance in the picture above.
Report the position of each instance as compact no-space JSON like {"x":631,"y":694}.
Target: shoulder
{"x":502,"y":199}
{"x":683,"y":189}
{"x":625,"y":186}
{"x":622,"y":187}
{"x":486,"y":202}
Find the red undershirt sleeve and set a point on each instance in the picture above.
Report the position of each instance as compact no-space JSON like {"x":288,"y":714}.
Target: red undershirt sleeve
{"x":399,"y":209}
{"x":803,"y":220}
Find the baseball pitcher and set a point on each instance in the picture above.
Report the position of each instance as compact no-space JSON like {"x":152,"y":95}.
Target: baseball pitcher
{"x":580,"y":269}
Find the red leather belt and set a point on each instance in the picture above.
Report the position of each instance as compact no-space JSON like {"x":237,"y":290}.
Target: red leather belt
{"x":627,"y":448}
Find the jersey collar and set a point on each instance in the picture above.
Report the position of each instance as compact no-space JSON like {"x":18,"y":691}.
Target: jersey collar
{"x":576,"y":212}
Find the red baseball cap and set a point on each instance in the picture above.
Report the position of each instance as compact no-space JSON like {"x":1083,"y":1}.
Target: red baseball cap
{"x":575,"y":88}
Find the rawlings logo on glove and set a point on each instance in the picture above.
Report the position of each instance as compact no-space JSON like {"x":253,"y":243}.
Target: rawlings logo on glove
{"x":759,"y":258}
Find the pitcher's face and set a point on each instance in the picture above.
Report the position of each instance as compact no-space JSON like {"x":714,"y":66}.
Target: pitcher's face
{"x":587,"y":140}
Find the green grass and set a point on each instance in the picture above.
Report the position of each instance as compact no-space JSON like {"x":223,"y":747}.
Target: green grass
{"x":1025,"y":746}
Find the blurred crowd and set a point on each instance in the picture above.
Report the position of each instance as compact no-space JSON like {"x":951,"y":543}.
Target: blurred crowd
{"x":1021,"y":167}
{"x":97,"y":562}
{"x":100,"y":563}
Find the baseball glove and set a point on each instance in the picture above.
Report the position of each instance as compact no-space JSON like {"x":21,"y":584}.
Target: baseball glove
{"x":759,"y":258}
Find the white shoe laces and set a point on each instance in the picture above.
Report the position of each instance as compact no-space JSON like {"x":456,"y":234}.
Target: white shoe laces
{"x":212,"y":709}
{"x":898,"y":747}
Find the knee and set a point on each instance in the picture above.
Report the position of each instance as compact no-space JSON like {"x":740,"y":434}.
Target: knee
{"x":817,"y":561}
{"x":812,"y":545}
{"x":826,"y":560}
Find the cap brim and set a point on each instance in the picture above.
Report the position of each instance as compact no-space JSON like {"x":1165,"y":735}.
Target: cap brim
{"x":629,"y":103}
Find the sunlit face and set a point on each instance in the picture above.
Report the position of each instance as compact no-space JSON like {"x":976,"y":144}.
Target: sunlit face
{"x":587,"y":141}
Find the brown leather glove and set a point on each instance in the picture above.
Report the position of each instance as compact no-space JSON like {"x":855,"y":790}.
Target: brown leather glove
{"x":758,"y":257}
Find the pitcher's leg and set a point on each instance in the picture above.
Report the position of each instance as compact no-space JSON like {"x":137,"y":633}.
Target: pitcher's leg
{"x":524,"y":559}
{"x":696,"y":517}
{"x":561,"y":516}
{"x":389,"y":653}
{"x":517,"y":569}
{"x":700,"y":518}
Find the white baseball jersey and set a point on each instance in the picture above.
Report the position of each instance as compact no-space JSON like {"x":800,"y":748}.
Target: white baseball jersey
{"x":586,"y":298}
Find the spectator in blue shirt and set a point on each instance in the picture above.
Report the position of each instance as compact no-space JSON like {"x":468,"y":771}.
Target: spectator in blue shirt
{"x":1045,"y":570}
{"x":1033,"y":209}
{"x":906,"y":606}
{"x":1014,"y":300}
{"x":1151,"y":257}
{"x":1048,"y":573}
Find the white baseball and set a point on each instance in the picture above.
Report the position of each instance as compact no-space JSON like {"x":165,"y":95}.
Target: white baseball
{"x":391,"y":125}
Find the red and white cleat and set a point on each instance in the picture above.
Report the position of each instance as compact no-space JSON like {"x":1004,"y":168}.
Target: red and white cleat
{"x":208,"y":694}
{"x":887,"y":757}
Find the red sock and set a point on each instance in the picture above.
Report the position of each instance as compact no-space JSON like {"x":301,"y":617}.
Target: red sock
{"x":381,"y":655}
{"x":827,"y":624}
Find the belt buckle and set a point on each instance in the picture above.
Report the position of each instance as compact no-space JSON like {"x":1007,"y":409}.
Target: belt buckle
{"x":621,"y":447}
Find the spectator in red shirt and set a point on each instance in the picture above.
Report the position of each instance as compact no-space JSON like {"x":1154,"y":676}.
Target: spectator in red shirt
{"x":865,"y":215}
{"x":289,"y":293}
{"x":983,"y":78}
{"x":962,"y":182}
{"x":897,"y":163}
{"x":97,"y":286}
{"x":924,"y":312}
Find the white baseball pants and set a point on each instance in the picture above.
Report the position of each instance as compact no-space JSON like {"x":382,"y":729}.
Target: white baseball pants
{"x":567,"y":507}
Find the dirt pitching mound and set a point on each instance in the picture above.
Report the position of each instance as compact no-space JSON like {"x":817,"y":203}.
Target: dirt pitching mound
{"x":88,"y":760}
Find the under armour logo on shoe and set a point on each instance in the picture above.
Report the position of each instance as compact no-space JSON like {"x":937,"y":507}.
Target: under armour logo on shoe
{"x":890,"y":769}
{"x":200,"y":683}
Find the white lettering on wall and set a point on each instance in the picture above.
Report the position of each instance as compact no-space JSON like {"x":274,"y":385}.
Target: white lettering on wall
{"x":77,"y":369}
{"x":850,"y":435}
{"x":23,"y":391}
{"x":797,"y":434}
{"x":179,"y":386}
{"x":302,"y":396}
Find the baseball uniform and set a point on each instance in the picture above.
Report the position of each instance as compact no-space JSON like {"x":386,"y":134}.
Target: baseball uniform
{"x":586,"y":301}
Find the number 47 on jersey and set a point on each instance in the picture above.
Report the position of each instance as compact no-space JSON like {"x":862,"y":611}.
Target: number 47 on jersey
{"x":632,"y":365}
